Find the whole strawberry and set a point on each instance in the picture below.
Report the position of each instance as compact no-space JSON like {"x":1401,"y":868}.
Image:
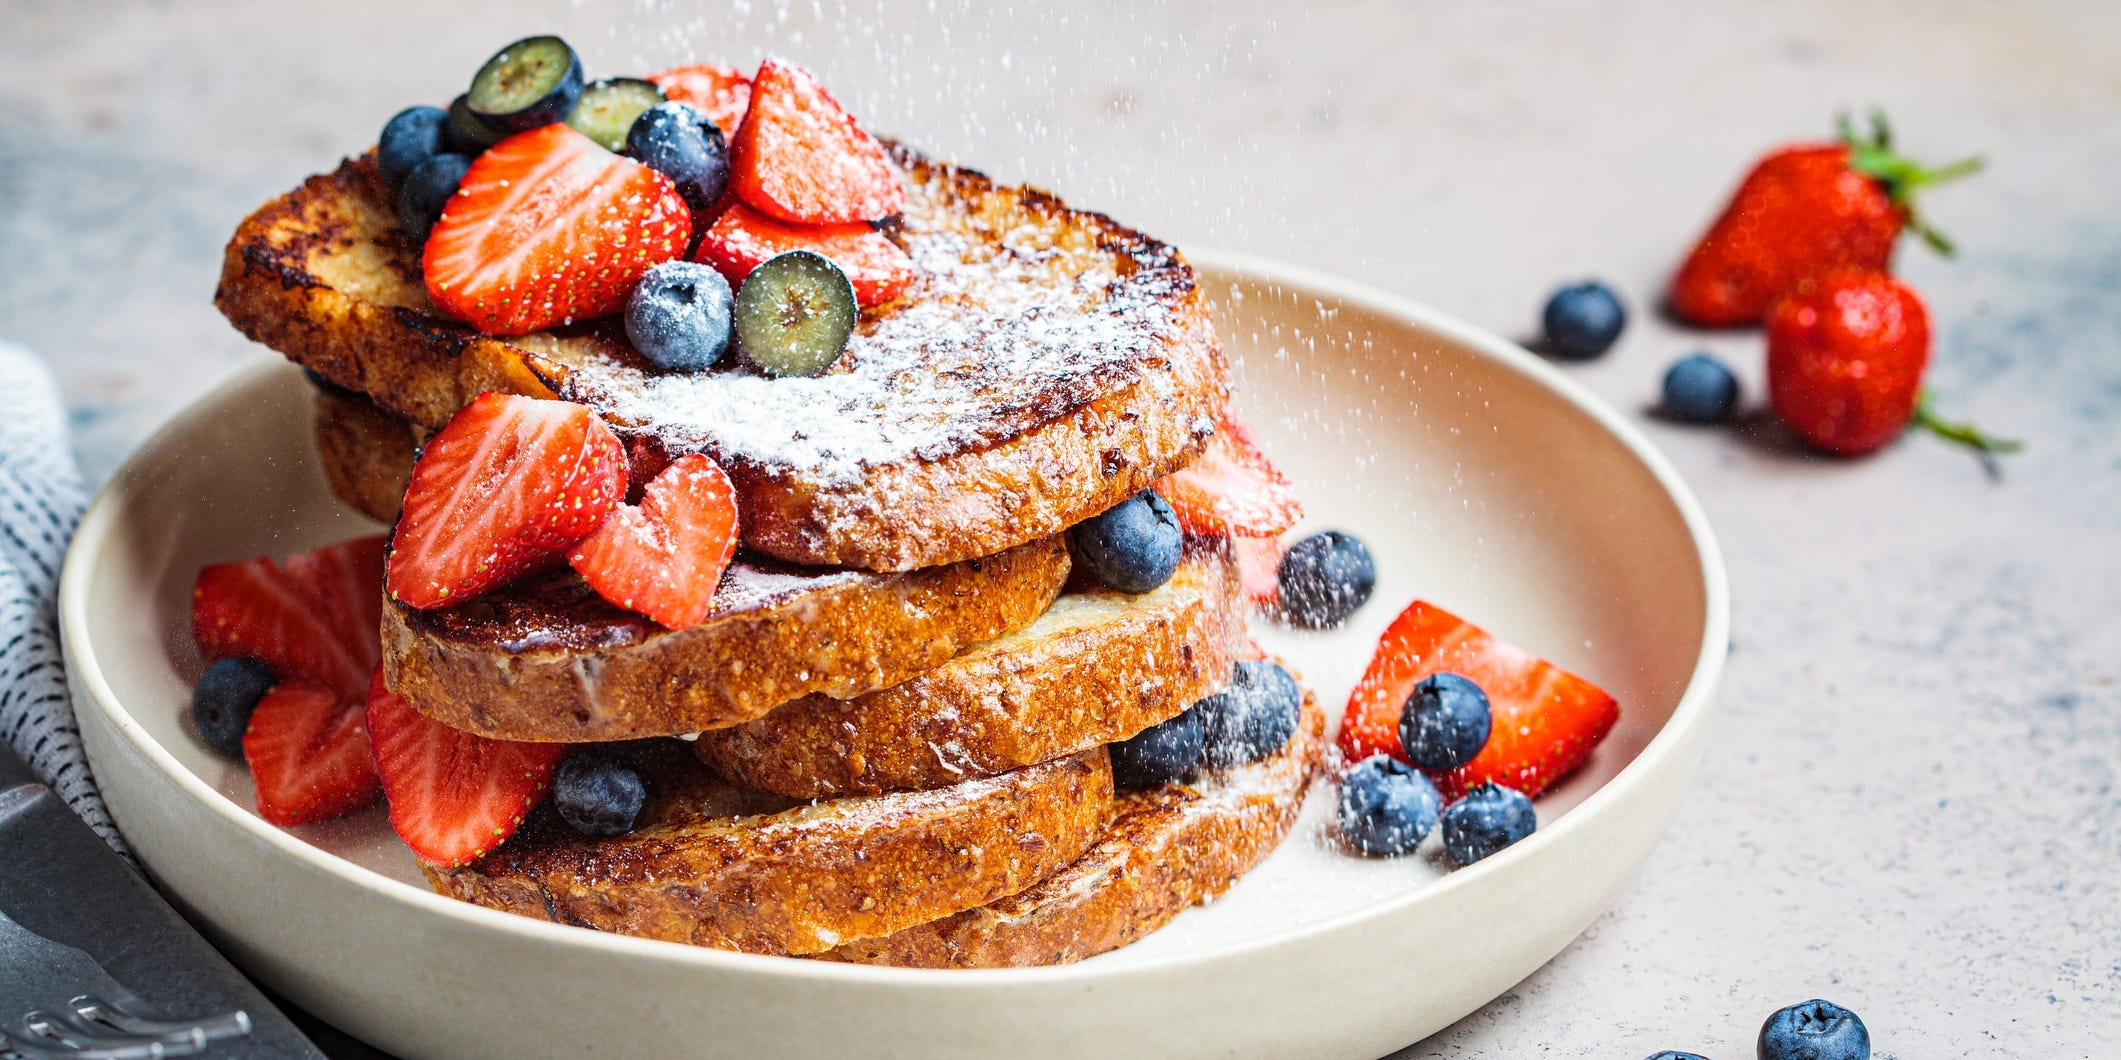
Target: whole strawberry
{"x":1802,"y":210}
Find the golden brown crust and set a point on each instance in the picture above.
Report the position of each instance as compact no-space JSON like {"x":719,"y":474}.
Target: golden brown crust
{"x":322,"y":276}
{"x":367,"y":453}
{"x":707,"y":868}
{"x":1166,"y":850}
{"x":1097,"y":667}
{"x":546,"y":659}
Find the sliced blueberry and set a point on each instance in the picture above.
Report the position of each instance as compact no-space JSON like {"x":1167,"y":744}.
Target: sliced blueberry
{"x":1159,"y":754}
{"x":530,"y":83}
{"x":467,"y":134}
{"x":1324,"y":578}
{"x":795,"y":313}
{"x":1445,"y":722}
{"x":597,"y":796}
{"x":1133,"y":546}
{"x":1488,"y":819}
{"x":410,"y":137}
{"x":677,"y":140}
{"x":1582,"y":320}
{"x":223,"y":699}
{"x":678,"y":316}
{"x":1814,"y":1030}
{"x":607,"y":109}
{"x":1699,"y":388}
{"x":1253,"y":717}
{"x":1386,"y":806}
{"x":427,"y":189}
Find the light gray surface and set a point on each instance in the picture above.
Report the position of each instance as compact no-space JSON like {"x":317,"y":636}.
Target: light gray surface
{"x":1910,"y":802}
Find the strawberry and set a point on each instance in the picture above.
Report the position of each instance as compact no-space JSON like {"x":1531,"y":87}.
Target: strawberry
{"x":347,"y":579}
{"x":1804,"y":209}
{"x":453,"y":795}
{"x":742,"y":238}
{"x":665,"y":557}
{"x":1231,"y":488}
{"x":719,"y":92}
{"x":507,"y":484}
{"x":547,"y":227}
{"x":310,"y":619}
{"x":1546,"y":719}
{"x":800,"y":157}
{"x":307,"y":746}
{"x":1259,"y":568}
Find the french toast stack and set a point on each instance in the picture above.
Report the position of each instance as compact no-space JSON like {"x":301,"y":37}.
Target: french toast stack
{"x":888,"y":740}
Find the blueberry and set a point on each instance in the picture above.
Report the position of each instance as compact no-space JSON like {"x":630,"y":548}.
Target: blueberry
{"x":1133,"y":546}
{"x":1324,"y":578}
{"x":1252,"y":717}
{"x":678,"y":141}
{"x":1386,"y":806}
{"x":410,"y":137}
{"x":1814,"y":1030}
{"x":1699,"y":388}
{"x":598,"y":796}
{"x":1582,"y":320}
{"x":427,"y":189}
{"x":1674,"y":1054}
{"x":679,"y":316}
{"x":224,"y":697}
{"x":1445,"y":722}
{"x":1159,"y":754}
{"x":1488,"y":819}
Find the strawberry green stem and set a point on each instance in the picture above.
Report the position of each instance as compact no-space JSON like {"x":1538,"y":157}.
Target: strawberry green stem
{"x":1961,"y":433}
{"x":1899,"y":175}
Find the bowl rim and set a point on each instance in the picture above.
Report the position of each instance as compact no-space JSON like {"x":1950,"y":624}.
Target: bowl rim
{"x":97,"y":522}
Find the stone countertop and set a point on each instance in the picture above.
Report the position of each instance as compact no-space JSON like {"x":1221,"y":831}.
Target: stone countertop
{"x":1909,"y":802}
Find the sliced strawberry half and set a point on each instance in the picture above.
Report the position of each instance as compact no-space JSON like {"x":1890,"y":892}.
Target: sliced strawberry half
{"x":664,"y":558}
{"x":547,"y":227}
{"x":1546,"y":719}
{"x":307,"y":746}
{"x":1259,"y":568}
{"x":1232,"y":488}
{"x":742,"y":238}
{"x":257,"y":608}
{"x":347,"y":580}
{"x":507,"y":484}
{"x":800,"y":157}
{"x":720,"y":92}
{"x":453,"y":795}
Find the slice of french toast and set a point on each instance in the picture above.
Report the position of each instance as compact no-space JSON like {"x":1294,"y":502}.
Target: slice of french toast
{"x":1045,"y":364}
{"x":1167,"y":849}
{"x":1097,"y":667}
{"x":367,"y":453}
{"x":713,"y":865}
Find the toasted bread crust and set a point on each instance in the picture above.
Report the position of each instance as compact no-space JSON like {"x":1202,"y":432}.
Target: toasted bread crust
{"x":322,"y":275}
{"x":367,"y":453}
{"x":1097,"y":667}
{"x":1167,"y":849}
{"x":705,"y":870}
{"x":547,"y":660}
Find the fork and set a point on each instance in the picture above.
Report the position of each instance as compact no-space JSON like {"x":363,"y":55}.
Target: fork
{"x":71,"y":1008}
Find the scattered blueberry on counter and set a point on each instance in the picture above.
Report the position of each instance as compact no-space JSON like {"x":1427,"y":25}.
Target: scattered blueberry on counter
{"x":1252,"y":717}
{"x":409,"y":138}
{"x":679,"y":317}
{"x":1674,"y":1054}
{"x":597,"y":796}
{"x":1160,"y":753}
{"x":1133,"y":546}
{"x":1814,"y":1030}
{"x":1445,"y":722}
{"x":1488,"y":819}
{"x":1324,"y":578}
{"x":1583,"y":320}
{"x":1698,"y":388}
{"x":426,"y":190}
{"x":222,"y":701}
{"x":1386,"y":806}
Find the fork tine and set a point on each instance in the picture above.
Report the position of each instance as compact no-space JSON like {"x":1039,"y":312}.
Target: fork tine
{"x":197,"y":1032}
{"x":68,"y":1035}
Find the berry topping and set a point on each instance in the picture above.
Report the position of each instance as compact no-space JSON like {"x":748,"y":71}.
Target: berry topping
{"x":546,"y":228}
{"x":453,"y":795}
{"x":1814,"y":1030}
{"x":1252,"y":718}
{"x":317,"y":617}
{"x":794,"y":314}
{"x":427,"y":190}
{"x":410,"y":137}
{"x":467,"y":133}
{"x":1258,"y":568}
{"x":530,"y":83}
{"x":1546,"y":720}
{"x":676,"y":140}
{"x":679,"y":316}
{"x":1582,"y":320}
{"x":1324,"y":578}
{"x":664,"y":558}
{"x":309,"y":754}
{"x":742,"y":239}
{"x":801,"y":158}
{"x":607,"y":109}
{"x":1159,"y":754}
{"x":1698,"y":388}
{"x":1445,"y":722}
{"x":721,"y":93}
{"x":1231,"y":489}
{"x":1132,"y":546}
{"x":1488,"y":819}
{"x":1386,"y":806}
{"x":223,"y":699}
{"x":506,"y":484}
{"x":597,"y":796}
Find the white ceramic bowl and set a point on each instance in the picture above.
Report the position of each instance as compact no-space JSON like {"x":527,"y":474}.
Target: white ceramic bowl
{"x":1482,"y":479}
